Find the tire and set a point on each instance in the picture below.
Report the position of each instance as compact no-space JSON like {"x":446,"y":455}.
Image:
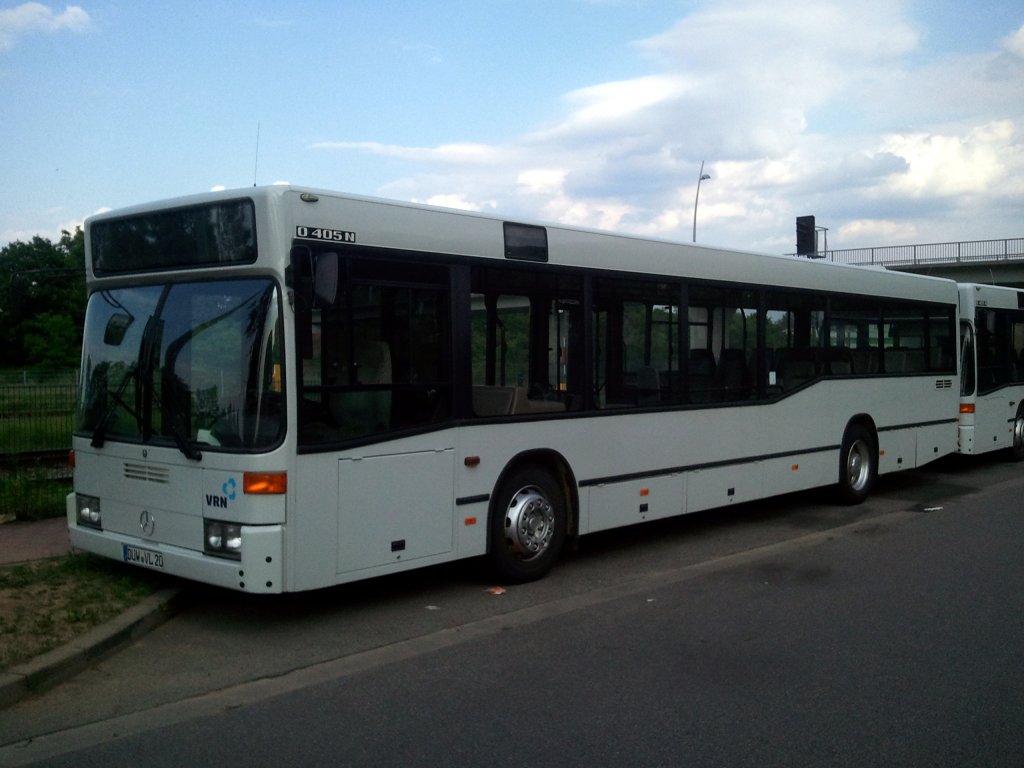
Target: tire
{"x":1016,"y":451}
{"x":858,"y":465}
{"x":527,"y":525}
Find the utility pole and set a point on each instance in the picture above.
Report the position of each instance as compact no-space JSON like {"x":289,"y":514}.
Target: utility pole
{"x":700,"y":177}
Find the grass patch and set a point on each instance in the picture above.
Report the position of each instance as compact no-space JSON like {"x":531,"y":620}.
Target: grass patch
{"x":46,"y":604}
{"x":36,"y":417}
{"x":36,"y":431}
{"x":32,"y":493}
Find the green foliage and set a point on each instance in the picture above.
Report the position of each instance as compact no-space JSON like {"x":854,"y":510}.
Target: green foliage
{"x":51,"y":342}
{"x":512,"y":342}
{"x":32,"y":493}
{"x":42,"y":302}
{"x":34,"y":417}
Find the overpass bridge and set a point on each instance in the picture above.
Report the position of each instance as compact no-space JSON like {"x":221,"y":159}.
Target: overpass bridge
{"x":1000,"y":262}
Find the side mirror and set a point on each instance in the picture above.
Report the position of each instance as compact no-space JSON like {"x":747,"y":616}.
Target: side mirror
{"x":325,"y":279}
{"x":117,"y":327}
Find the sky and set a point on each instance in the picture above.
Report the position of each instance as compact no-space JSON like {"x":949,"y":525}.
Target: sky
{"x":891,"y":121}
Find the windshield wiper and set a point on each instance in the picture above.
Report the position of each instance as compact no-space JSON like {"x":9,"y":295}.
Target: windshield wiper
{"x":186,"y":447}
{"x":99,"y":435}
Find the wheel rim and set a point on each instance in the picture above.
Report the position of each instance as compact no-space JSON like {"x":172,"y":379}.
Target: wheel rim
{"x":1018,"y":433}
{"x":529,"y":523}
{"x":858,"y":465}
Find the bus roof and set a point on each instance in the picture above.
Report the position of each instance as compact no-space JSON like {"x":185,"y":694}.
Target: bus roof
{"x":398,"y":225}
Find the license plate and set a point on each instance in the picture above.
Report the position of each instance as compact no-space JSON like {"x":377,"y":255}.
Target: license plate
{"x":143,"y":557}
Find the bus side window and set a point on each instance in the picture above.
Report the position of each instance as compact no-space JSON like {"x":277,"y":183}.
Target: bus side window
{"x":380,"y":352}
{"x":365,"y":412}
{"x":527,"y":342}
{"x":636,"y":343}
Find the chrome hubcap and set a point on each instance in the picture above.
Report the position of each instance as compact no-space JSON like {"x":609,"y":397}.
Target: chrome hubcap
{"x":858,"y":464}
{"x":529,"y":523}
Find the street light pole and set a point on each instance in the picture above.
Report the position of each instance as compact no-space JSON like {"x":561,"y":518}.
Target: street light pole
{"x":700,"y":177}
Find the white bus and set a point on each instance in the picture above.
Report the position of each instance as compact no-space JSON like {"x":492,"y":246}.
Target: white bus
{"x":992,"y":365}
{"x":284,"y":389}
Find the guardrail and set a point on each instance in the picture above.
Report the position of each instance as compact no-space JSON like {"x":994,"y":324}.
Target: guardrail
{"x":965,"y":252}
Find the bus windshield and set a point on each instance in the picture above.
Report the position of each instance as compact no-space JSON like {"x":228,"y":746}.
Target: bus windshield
{"x":195,"y":366}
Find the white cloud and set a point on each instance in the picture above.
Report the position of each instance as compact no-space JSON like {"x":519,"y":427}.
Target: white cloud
{"x":877,"y":231}
{"x":611,"y":103}
{"x":456,"y":201}
{"x":1015,"y":43}
{"x":806,"y":51}
{"x":541,"y":181}
{"x":27,"y":18}
{"x":946,"y":165}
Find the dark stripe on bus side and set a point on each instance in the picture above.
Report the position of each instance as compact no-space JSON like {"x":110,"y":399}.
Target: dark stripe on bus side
{"x":738,"y":462}
{"x":711,"y":464}
{"x":937,"y":423}
{"x":707,"y":465}
{"x":459,"y":502}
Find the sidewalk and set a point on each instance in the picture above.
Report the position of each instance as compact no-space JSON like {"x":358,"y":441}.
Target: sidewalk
{"x":29,"y":541}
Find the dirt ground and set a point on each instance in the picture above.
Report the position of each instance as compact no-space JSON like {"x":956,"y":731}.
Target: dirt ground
{"x":45,"y":604}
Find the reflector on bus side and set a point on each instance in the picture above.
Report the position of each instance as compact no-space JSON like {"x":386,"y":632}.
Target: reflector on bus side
{"x":265,"y":482}
{"x":966,"y":407}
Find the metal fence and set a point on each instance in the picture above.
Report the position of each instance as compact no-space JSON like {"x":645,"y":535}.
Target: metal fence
{"x":36,"y":415}
{"x":966,"y":252}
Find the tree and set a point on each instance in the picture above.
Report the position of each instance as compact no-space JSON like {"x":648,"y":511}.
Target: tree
{"x":52,"y":342}
{"x":42,"y":301}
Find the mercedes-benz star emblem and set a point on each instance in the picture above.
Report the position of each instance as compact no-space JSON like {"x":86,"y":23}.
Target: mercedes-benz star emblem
{"x":147,"y":522}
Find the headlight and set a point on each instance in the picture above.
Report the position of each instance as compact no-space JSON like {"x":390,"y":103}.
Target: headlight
{"x":88,"y":511}
{"x":222,"y":539}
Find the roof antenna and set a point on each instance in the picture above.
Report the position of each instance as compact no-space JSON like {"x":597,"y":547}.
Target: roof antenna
{"x":256,"y":164}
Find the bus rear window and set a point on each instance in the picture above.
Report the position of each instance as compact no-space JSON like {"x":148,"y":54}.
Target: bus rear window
{"x":182,"y":238}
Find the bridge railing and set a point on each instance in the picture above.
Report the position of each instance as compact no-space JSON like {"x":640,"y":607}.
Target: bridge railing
{"x":965,"y":252}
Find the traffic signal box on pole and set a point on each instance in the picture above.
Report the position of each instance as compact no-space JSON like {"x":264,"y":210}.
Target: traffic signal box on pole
{"x":806,"y":236}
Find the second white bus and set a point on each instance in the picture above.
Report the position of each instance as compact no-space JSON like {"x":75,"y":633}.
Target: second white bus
{"x":992,"y":365}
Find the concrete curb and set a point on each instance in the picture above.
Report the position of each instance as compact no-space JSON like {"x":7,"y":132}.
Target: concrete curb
{"x":60,"y":664}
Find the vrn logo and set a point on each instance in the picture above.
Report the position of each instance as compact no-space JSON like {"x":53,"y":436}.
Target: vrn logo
{"x":228,"y":494}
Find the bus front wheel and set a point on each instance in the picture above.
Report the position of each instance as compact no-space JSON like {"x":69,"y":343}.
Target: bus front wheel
{"x":858,"y":465}
{"x":1017,"y":449}
{"x":527,"y":525}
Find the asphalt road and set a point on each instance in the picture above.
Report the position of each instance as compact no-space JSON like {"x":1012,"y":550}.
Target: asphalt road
{"x":790,"y":632}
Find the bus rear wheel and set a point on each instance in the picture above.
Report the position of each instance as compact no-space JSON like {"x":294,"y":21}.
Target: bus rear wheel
{"x":858,"y":465}
{"x":527,"y":525}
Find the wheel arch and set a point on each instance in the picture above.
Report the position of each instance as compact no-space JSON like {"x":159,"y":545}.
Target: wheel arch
{"x":1016,"y":451}
{"x":858,"y":460}
{"x":554,"y":462}
{"x":863,"y":420}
